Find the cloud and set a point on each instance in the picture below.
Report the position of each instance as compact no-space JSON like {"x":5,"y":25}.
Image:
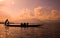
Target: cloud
{"x":55,"y":15}
{"x":42,"y":13}
{"x":37,"y":11}
{"x":25,"y":14}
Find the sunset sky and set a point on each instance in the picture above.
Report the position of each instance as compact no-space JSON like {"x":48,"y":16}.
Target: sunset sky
{"x":17,"y":8}
{"x":32,"y":12}
{"x":31,"y":4}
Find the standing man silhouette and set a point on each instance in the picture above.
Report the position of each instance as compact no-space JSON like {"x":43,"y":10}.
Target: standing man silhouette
{"x":6,"y":22}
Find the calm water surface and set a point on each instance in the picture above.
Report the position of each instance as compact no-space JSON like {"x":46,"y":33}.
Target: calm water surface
{"x":47,"y":30}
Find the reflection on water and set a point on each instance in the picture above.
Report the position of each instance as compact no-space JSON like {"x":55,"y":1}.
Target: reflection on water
{"x":48,"y":30}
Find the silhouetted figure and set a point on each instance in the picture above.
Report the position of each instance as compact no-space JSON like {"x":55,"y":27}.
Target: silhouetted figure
{"x":27,"y":23}
{"x":24,"y":24}
{"x":6,"y":22}
{"x":21,"y":23}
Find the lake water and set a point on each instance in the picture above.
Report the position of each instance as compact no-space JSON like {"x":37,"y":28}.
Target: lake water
{"x":47,"y":30}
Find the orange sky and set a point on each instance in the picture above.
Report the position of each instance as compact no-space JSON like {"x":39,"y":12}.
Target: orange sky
{"x":38,"y":12}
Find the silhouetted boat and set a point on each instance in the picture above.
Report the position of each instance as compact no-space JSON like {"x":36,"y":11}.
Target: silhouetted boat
{"x":7,"y":23}
{"x":22,"y":25}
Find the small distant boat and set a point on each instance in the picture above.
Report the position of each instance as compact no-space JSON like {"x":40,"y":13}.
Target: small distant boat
{"x":20,"y":25}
